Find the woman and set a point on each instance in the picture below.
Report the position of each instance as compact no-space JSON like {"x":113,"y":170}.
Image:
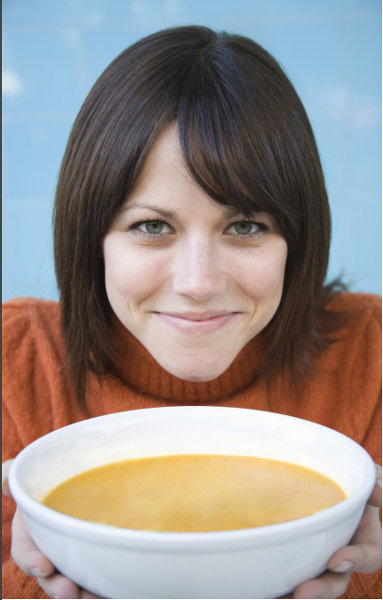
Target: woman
{"x":191,"y":236}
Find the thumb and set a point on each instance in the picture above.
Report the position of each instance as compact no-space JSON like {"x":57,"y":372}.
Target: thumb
{"x":5,"y":470}
{"x":376,"y":495}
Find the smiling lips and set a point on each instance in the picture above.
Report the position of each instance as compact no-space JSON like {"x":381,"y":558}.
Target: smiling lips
{"x":207,"y":322}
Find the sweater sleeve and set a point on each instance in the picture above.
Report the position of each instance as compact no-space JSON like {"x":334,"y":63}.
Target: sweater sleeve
{"x":15,"y":583}
{"x":18,"y":343}
{"x":369,"y":585}
{"x":372,"y":383}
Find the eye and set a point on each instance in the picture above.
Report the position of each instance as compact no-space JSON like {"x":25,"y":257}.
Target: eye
{"x":155,"y":227}
{"x":247,"y":228}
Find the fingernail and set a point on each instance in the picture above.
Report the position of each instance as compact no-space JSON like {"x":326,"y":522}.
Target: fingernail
{"x":343,"y":567}
{"x":37,"y":573}
{"x":5,"y":487}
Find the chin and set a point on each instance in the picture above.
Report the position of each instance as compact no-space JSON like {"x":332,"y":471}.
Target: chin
{"x":198,"y":378}
{"x":200,"y":372}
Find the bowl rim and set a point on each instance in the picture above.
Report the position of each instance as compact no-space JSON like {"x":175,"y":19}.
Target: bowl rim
{"x":188,"y":541}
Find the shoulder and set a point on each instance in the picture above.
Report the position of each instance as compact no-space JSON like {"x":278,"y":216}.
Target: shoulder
{"x":29,"y":308}
{"x":31,"y":334}
{"x":33,"y":353}
{"x":360,"y":313}
{"x":346,"y":383}
{"x":29,"y":317}
{"x":31,"y":338}
{"x":355,"y":352}
{"x":364,"y":303}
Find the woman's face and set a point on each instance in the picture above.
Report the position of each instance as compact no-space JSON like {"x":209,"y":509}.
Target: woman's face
{"x":192,"y":280}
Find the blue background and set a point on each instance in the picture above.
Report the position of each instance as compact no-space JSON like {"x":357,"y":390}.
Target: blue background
{"x":53,"y":51}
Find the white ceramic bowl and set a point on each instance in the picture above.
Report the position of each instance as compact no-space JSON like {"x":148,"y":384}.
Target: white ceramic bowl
{"x":263,"y":562}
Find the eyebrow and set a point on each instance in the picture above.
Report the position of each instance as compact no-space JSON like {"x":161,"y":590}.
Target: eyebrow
{"x":167,"y":214}
{"x":229,"y":211}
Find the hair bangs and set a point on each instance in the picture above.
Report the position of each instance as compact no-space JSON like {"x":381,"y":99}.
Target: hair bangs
{"x":229,"y":150}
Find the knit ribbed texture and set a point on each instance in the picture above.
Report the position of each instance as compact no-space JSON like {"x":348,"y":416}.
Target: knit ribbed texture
{"x":139,"y":371}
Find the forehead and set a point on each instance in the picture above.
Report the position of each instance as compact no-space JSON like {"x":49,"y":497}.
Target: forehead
{"x":165,"y":163}
{"x":169,"y":173}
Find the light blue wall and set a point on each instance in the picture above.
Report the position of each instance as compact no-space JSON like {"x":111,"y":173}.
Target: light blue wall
{"x":53,"y":50}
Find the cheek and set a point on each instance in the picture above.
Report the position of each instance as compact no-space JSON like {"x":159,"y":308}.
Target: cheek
{"x":129,"y":276}
{"x":267,"y":275}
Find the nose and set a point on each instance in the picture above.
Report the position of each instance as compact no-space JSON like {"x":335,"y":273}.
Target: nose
{"x":198,"y":271}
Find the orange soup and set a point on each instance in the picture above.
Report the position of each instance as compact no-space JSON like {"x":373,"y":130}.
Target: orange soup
{"x":194,"y":493}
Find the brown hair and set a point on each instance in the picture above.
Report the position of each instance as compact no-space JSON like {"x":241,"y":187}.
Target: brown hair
{"x":247,"y":142}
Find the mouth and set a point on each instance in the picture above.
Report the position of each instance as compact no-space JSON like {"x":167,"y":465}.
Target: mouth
{"x":192,"y":322}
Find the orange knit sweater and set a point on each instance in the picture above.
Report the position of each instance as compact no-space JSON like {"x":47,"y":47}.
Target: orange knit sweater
{"x":343,"y":392}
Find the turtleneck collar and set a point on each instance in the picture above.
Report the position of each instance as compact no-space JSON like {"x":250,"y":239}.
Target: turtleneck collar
{"x":136,"y":367}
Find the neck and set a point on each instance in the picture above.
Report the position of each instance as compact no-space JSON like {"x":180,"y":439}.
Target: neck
{"x":137,"y":368}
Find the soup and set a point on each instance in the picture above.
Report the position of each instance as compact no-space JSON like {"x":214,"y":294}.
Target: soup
{"x":194,"y":493}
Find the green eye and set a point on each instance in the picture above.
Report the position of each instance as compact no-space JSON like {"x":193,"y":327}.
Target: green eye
{"x":244,"y":227}
{"x":153,"y":227}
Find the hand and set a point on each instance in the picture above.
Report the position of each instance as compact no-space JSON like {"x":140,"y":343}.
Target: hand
{"x":364,"y":554}
{"x":27,"y":556}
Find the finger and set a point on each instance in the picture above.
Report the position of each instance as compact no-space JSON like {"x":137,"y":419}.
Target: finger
{"x":329,"y":585}
{"x":58,"y":586}
{"x":364,"y":553}
{"x":85,"y":594}
{"x":369,"y":528}
{"x":4,"y":476}
{"x":24,"y":551}
{"x":362,"y":558}
{"x":376,"y":495}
